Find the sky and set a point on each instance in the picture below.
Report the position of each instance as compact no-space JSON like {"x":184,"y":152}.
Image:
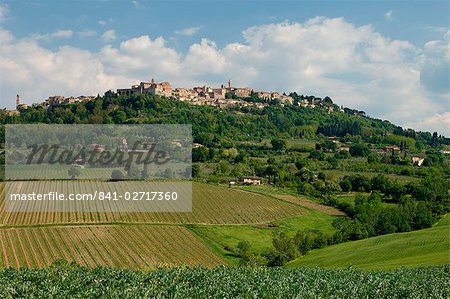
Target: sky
{"x":390,"y":59}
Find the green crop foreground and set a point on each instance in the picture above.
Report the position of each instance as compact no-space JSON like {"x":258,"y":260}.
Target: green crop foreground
{"x":62,"y":280}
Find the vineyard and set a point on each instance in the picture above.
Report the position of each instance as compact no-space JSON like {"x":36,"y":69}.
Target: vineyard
{"x":64,"y":281}
{"x":210,"y":204}
{"x":128,"y":239}
{"x":132,"y":246}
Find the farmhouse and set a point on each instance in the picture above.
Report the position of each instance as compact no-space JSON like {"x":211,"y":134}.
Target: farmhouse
{"x":98,"y":148}
{"x":392,"y":149}
{"x":417,"y":161}
{"x":250,"y":180}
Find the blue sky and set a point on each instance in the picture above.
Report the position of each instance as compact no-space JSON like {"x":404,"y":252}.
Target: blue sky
{"x":389,"y":58}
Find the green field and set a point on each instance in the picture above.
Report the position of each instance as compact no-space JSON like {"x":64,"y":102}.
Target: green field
{"x":412,"y":249}
{"x":69,"y":281}
{"x":223,"y":237}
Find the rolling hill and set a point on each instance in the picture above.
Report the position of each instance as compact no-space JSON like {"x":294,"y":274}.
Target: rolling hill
{"x":412,"y":249}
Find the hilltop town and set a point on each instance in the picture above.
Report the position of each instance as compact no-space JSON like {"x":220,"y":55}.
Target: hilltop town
{"x":223,"y":97}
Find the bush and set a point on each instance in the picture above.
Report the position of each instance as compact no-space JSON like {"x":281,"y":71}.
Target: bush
{"x":359,"y":150}
{"x":117,"y":175}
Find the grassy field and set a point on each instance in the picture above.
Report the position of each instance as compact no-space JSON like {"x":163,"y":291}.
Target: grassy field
{"x":210,"y":205}
{"x":223,"y":239}
{"x":412,"y":249}
{"x":118,"y":246}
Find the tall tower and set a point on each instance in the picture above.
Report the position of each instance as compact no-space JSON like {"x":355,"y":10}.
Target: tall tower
{"x":17,"y":101}
{"x":230,"y":83}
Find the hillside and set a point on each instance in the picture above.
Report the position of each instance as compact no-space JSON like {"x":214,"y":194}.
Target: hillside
{"x":412,"y":249}
{"x":361,"y":168}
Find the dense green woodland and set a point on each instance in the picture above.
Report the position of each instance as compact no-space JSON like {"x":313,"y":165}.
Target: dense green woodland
{"x":214,"y":126}
{"x":69,"y":281}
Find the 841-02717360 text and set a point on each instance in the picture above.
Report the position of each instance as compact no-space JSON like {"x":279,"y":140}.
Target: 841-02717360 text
{"x":97,"y":195}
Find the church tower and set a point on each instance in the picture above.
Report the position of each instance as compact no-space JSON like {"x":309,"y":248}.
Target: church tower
{"x":17,"y":101}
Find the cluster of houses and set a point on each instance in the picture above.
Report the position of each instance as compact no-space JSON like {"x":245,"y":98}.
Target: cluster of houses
{"x":223,"y":96}
{"x":49,"y":103}
{"x":60,"y":100}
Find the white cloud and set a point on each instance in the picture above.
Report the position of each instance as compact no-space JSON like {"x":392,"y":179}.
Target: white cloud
{"x":67,"y":71}
{"x":4,"y":11}
{"x":388,"y":15}
{"x":190,"y":31}
{"x":86,"y":33}
{"x":54,"y":35}
{"x":142,"y":57}
{"x":355,"y":65}
{"x":101,"y":22}
{"x":137,"y":5}
{"x":109,"y":36}
{"x":436,"y":123}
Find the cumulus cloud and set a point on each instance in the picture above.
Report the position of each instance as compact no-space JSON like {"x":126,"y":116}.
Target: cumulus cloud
{"x":109,"y":36}
{"x":3,"y":12}
{"x":142,"y":57}
{"x":190,"y":31}
{"x":86,"y":33}
{"x":137,"y":4}
{"x":439,"y":122}
{"x":54,"y":35}
{"x":355,"y":65}
{"x":388,"y":15}
{"x":36,"y":72}
{"x":435,"y":68}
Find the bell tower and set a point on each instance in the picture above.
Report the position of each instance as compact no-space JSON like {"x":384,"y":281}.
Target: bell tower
{"x":17,"y":101}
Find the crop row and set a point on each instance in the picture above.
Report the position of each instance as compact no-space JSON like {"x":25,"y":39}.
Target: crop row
{"x":210,"y":204}
{"x":119,"y":246}
{"x":63,"y":280}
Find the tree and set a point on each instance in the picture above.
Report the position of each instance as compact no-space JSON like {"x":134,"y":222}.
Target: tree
{"x":248,"y":258}
{"x":74,"y":172}
{"x":359,"y":149}
{"x":284,"y":245}
{"x":316,"y":155}
{"x":196,"y":170}
{"x":145,"y":174}
{"x":133,"y":173}
{"x":117,"y":175}
{"x":372,"y":158}
{"x":169,"y":173}
{"x":278,"y":144}
{"x":346,"y":184}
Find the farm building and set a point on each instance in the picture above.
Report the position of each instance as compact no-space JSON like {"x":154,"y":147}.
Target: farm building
{"x":417,"y":161}
{"x":250,"y":180}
